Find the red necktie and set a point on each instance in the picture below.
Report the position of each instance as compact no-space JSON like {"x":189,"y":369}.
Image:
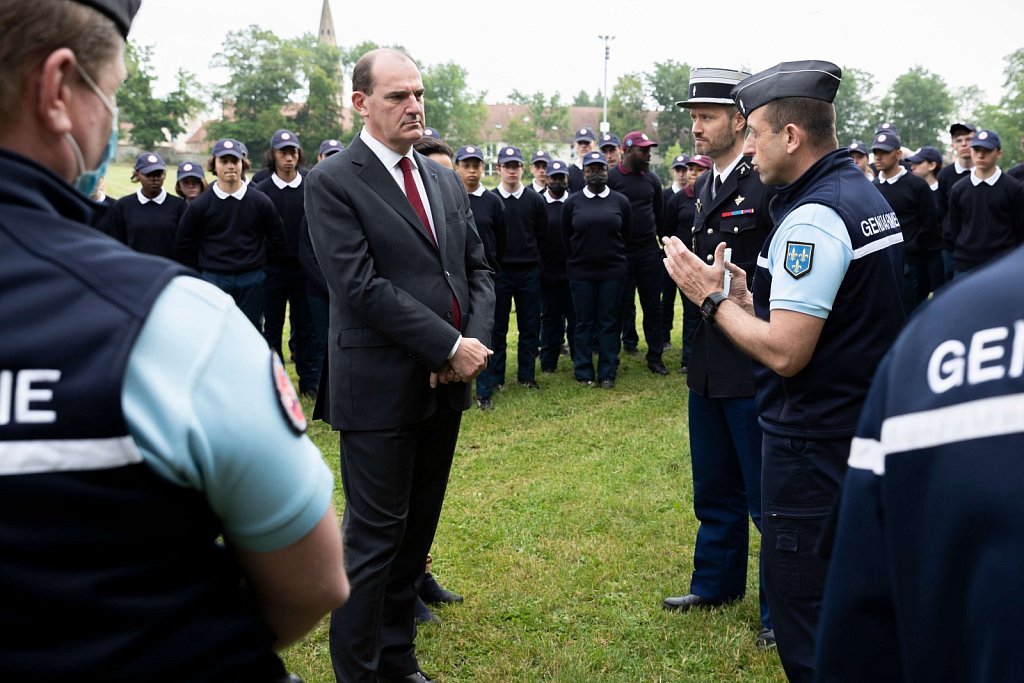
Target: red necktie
{"x":417,"y":205}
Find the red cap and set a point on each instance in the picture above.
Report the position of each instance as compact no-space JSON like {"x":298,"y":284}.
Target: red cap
{"x":637,"y":139}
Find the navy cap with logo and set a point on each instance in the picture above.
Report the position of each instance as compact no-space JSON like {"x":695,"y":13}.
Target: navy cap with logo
{"x":926,"y":154}
{"x":609,"y":140}
{"x":595,"y":158}
{"x":702,"y":160}
{"x":148,"y":162}
{"x":886,"y":142}
{"x":584,"y":134}
{"x":637,"y":139}
{"x":510,"y":154}
{"x":959,"y":128}
{"x":190,"y":169}
{"x":121,"y":12}
{"x":557,"y":167}
{"x":813,"y":79}
{"x":284,"y":138}
{"x":711,"y":86}
{"x":680,"y":161}
{"x":431,"y":133}
{"x":540,"y":155}
{"x":228,"y":147}
{"x":469,"y":152}
{"x":858,"y":148}
{"x":329,"y":147}
{"x":986,"y":139}
{"x":887,"y":127}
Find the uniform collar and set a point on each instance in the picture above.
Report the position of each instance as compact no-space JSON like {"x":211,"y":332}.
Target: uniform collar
{"x":237,"y":194}
{"x":479,"y":191}
{"x":991,"y":180}
{"x":625,"y":171}
{"x":143,"y":199}
{"x":552,"y":200}
{"x":892,"y":180}
{"x":726,"y":171}
{"x":506,"y":194}
{"x":960,"y":170}
{"x":296,"y":181}
{"x":590,"y":195}
{"x":539,"y":189}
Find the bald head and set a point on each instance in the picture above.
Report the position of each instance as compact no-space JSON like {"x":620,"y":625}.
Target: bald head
{"x":363,"y":73}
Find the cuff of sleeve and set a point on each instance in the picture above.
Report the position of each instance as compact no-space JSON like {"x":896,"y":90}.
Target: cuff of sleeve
{"x":455,"y":347}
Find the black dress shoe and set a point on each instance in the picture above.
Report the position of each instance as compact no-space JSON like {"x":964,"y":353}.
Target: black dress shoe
{"x":529,"y":384}
{"x":432,"y":593}
{"x":415,"y":677}
{"x":765,"y":639}
{"x":686,"y":602}
{"x":657,"y":367}
{"x":424,"y":615}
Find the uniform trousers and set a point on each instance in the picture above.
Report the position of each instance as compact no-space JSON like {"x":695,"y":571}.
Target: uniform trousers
{"x":285,"y":288}
{"x":725,"y":451}
{"x":394,"y":483}
{"x":523,"y":286}
{"x":645,"y":269}
{"x":246,"y":288}
{"x":800,"y":483}
{"x":557,"y":323}
{"x":597,"y":319}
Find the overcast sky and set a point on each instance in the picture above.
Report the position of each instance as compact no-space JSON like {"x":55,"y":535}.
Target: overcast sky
{"x":555,"y":46}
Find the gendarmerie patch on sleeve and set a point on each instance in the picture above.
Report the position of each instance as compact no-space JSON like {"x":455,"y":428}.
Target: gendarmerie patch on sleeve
{"x":287,"y":398}
{"x":799,"y":258}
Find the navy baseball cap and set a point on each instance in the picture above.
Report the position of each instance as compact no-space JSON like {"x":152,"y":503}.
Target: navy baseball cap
{"x":858,"y":148}
{"x":121,"y":12}
{"x":190,"y":169}
{"x":594,"y":158}
{"x":149,"y":162}
{"x":986,"y":139}
{"x":469,"y":152}
{"x":637,"y":139}
{"x":284,"y":138}
{"x":926,"y":154}
{"x":961,"y":127}
{"x":584,"y":134}
{"x":540,"y":155}
{"x":557,"y":167}
{"x":680,"y":161}
{"x":701,"y":160}
{"x":609,"y":140}
{"x":510,"y":154}
{"x":431,"y":133}
{"x":711,"y":86}
{"x":887,"y":127}
{"x":886,"y":142}
{"x":813,"y":79}
{"x":329,"y":147}
{"x":229,"y":147}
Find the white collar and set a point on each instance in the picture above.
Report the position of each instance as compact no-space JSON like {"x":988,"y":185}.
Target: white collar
{"x":892,"y":180}
{"x":590,"y":195}
{"x":506,"y":194}
{"x":960,"y":170}
{"x":143,"y":199}
{"x":991,"y":180}
{"x":539,"y":189}
{"x":479,"y":191}
{"x":934,"y":186}
{"x":387,"y":156}
{"x":296,"y":181}
{"x":100,"y":197}
{"x":728,"y":169}
{"x":552,"y":200}
{"x":676,"y":187}
{"x":237,"y":194}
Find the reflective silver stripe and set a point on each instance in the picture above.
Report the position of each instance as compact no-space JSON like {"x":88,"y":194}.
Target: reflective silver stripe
{"x":963,"y":422}
{"x":878,"y":245}
{"x":68,"y":455}
{"x":762,"y":262}
{"x":867,"y":454}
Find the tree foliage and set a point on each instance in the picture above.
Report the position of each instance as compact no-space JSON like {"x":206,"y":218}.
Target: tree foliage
{"x":919,"y":103}
{"x":320,"y":116}
{"x":627,"y":105}
{"x":451,"y":108}
{"x":668,"y":82}
{"x":854,"y":107}
{"x":540,"y":125}
{"x":1007,"y":116}
{"x":155,"y":120}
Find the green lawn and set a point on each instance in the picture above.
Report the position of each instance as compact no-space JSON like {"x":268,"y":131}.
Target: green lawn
{"x":568,"y":517}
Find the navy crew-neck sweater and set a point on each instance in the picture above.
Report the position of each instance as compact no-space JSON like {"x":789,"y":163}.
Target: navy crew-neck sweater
{"x":596,"y":231}
{"x":947,"y":178}
{"x":527,"y":221}
{"x":552,"y":251}
{"x":911,"y":199}
{"x":985,"y":221}
{"x":147,"y":228}
{"x":679,"y":213}
{"x":292,"y":209}
{"x":489,"y":216}
{"x":643,"y":190}
{"x":229,"y":235}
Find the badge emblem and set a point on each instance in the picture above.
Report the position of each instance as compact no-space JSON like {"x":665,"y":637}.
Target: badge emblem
{"x":740,"y":199}
{"x":700,"y":209}
{"x":287,"y":398}
{"x":799,"y":257}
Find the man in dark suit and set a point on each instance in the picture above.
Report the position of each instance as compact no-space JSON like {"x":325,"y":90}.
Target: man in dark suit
{"x":411,"y":313}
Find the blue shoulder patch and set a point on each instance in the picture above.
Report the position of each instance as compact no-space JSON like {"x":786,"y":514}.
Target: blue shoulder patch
{"x":799,"y":257}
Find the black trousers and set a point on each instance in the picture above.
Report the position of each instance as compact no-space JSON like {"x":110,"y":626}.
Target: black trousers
{"x":394,"y":483}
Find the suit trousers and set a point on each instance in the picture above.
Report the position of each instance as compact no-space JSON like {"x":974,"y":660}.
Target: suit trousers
{"x":394,"y":482}
{"x":800,"y":483}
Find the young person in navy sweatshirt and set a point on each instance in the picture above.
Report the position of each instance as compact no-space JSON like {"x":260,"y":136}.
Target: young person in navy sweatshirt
{"x":148,"y":220}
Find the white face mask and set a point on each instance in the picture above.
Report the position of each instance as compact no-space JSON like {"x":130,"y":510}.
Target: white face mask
{"x":87,"y":181}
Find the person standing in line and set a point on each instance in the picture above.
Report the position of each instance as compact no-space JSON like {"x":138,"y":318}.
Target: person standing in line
{"x":668,"y":226}
{"x":411,"y":312}
{"x":190,"y":182}
{"x":557,"y":319}
{"x":583,"y":141}
{"x":960,"y":134}
{"x":147,"y":221}
{"x":825,"y":307}
{"x":609,"y":146}
{"x":725,"y":439}
{"x":539,"y":170}
{"x":859,"y":154}
{"x":596,"y":223}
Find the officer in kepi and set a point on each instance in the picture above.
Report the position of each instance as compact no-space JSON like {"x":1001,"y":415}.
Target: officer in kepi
{"x":825,"y":307}
{"x":132,"y":394}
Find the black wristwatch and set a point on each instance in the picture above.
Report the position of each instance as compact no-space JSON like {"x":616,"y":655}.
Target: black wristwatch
{"x":710,"y":306}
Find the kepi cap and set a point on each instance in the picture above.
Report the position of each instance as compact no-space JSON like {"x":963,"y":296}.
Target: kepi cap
{"x":702,"y":160}
{"x":637,"y":138}
{"x":557,"y":167}
{"x":986,"y":139}
{"x":813,"y":79}
{"x":284,"y":138}
{"x":886,"y":142}
{"x":121,"y":12}
{"x":926,"y":154}
{"x":608,"y":140}
{"x":147,"y":162}
{"x":229,"y":147}
{"x":329,"y":147}
{"x":591,"y":158}
{"x":711,"y":86}
{"x":190,"y":169}
{"x":469,"y":152}
{"x":584,"y":133}
{"x":510,"y":154}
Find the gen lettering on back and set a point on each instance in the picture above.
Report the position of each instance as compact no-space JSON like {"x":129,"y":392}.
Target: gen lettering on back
{"x":992,"y":354}
{"x":24,"y":394}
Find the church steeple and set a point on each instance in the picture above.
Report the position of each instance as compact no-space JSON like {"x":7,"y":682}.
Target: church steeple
{"x":326,"y":36}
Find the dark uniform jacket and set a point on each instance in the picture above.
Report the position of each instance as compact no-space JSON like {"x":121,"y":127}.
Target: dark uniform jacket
{"x":739,"y":217}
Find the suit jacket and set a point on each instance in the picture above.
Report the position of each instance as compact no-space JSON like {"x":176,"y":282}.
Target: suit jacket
{"x":738,"y":216}
{"x":391,"y":289}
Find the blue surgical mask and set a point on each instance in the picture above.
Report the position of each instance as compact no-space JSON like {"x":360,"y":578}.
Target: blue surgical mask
{"x":87,"y":181}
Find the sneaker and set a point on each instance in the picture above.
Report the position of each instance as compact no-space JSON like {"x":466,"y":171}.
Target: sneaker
{"x":585,"y":382}
{"x":607,"y":384}
{"x":683,"y":369}
{"x":529,"y":384}
{"x":765,"y":639}
{"x":484,"y":403}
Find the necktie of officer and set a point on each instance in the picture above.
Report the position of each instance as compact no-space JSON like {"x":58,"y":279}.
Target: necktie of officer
{"x":717,"y":187}
{"x":417,"y":205}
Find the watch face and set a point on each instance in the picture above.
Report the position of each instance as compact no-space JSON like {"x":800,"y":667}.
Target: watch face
{"x":708,"y":309}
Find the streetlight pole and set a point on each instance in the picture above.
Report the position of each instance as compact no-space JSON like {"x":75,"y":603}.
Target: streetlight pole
{"x":607,"y":53}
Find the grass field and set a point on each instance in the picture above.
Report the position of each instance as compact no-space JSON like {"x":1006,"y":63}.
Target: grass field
{"x":568,"y":518}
